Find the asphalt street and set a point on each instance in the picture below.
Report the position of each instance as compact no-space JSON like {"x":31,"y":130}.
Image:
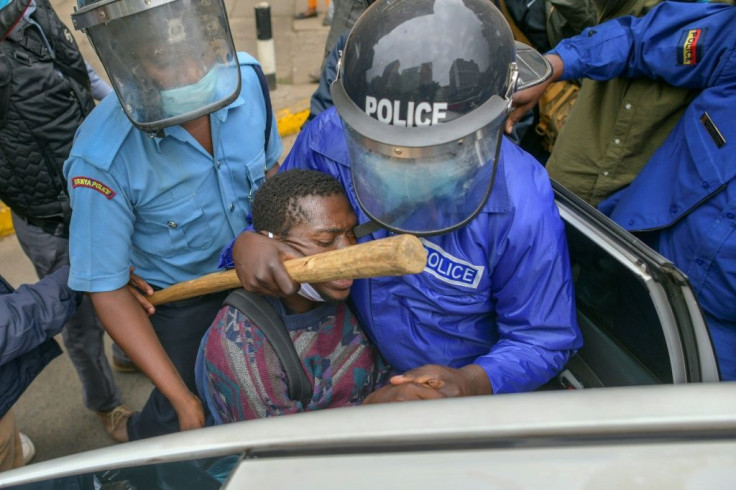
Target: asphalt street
{"x":51,"y":411}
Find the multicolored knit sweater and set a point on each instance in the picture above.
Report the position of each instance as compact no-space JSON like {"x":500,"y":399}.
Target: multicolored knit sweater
{"x":240,"y":376}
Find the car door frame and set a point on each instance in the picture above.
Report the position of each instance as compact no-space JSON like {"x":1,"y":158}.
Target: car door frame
{"x":689,"y":346}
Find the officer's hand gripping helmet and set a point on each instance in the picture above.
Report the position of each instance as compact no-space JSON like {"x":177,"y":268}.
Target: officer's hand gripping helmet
{"x":170,"y":61}
{"x":423,"y":89}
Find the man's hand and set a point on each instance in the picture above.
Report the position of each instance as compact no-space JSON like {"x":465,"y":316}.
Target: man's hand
{"x":190,"y":412}
{"x":525,"y":100}
{"x":137,"y":287}
{"x":469,"y":380}
{"x":259,"y":264}
{"x":403,"y":393}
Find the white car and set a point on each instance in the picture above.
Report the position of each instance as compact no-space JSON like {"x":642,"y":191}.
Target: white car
{"x":639,"y":406}
{"x":658,"y":437}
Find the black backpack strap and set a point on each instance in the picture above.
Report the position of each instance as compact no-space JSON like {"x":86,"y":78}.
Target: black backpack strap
{"x":262,"y":314}
{"x":267,"y":101}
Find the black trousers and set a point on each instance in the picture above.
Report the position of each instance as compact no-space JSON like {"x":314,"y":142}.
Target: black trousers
{"x":179,"y":326}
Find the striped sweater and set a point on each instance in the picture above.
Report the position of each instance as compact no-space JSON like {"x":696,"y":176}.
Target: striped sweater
{"x":242,"y":378}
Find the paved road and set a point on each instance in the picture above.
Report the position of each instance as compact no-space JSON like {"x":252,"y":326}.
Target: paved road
{"x":51,"y":411}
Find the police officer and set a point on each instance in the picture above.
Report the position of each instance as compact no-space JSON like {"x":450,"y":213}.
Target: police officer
{"x":416,"y":139}
{"x":161,"y":178}
{"x":682,"y":202}
{"x":45,"y":94}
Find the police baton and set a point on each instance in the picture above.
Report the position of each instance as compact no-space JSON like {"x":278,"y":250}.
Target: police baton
{"x":392,"y":256}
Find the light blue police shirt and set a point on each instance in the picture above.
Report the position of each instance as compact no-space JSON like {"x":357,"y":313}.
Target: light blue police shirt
{"x":163,"y":205}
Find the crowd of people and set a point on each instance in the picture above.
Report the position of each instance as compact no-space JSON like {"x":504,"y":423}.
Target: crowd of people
{"x":176,"y":174}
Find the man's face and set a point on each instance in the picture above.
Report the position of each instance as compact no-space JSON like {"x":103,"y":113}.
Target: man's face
{"x":178,"y":54}
{"x":328,"y":226}
{"x":169,"y":71}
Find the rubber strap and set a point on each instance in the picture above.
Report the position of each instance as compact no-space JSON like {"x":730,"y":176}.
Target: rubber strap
{"x":267,"y":101}
{"x":265,"y":317}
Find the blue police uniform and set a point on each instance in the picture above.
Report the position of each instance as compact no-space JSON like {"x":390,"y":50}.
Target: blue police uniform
{"x":497,"y":292}
{"x":685,"y":197}
{"x":163,"y":204}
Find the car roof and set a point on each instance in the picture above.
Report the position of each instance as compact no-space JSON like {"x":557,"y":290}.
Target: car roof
{"x":643,"y":414}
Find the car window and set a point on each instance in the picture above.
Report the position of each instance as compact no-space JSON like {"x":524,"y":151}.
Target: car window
{"x":614,"y":305}
{"x":640,"y":320}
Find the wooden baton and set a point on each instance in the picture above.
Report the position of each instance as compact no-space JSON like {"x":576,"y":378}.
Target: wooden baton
{"x":392,"y":256}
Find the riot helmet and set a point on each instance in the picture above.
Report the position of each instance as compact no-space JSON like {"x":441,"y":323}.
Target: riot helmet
{"x":423,"y":89}
{"x":170,"y":61}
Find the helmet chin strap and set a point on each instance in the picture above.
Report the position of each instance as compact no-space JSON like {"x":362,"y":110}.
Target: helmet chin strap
{"x":366,"y":228}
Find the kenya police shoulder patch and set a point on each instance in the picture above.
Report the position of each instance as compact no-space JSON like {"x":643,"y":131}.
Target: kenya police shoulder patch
{"x":690,"y":46}
{"x":93,"y":184}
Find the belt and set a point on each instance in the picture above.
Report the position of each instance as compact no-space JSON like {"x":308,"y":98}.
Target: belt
{"x":51,"y":226}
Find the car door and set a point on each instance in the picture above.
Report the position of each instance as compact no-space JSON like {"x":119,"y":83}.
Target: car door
{"x":640,"y":320}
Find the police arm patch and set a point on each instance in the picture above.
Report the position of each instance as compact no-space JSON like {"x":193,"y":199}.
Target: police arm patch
{"x":690,"y":47}
{"x":93,"y":184}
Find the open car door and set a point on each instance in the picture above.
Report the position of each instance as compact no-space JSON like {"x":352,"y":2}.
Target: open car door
{"x":640,"y":320}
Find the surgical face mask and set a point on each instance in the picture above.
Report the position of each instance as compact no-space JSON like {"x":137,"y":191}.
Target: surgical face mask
{"x":424,"y":190}
{"x":189,"y":98}
{"x":307,"y":291}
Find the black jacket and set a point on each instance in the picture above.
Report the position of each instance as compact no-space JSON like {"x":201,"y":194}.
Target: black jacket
{"x":43,"y":99}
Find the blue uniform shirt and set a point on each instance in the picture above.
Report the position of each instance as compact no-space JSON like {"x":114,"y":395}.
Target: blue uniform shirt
{"x":497,"y":292}
{"x":686,"y":194}
{"x":163,"y":205}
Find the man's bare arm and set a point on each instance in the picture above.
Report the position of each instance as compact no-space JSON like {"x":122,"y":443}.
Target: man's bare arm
{"x":128,"y":324}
